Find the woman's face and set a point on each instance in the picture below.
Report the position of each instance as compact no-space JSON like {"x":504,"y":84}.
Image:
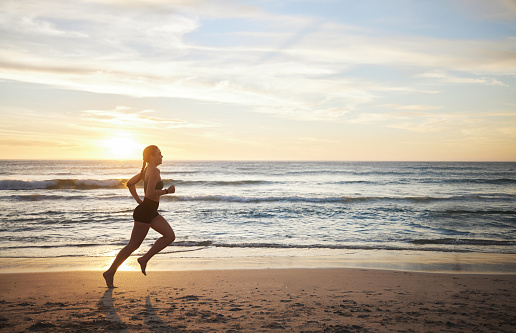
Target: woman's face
{"x":157,"y":157}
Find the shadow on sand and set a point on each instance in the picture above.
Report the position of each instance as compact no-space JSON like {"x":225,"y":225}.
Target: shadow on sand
{"x":106,"y":305}
{"x":152,"y":320}
{"x":149,"y":315}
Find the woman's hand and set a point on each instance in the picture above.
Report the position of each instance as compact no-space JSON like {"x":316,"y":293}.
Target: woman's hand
{"x":171,"y":189}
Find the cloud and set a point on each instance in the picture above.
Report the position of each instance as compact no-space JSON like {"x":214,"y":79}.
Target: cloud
{"x":368,"y":118}
{"x":508,"y":131}
{"x":205,"y":8}
{"x":307,"y":140}
{"x":416,"y":119}
{"x":411,"y":107}
{"x":288,"y":65}
{"x":443,"y":76}
{"x":125,"y":118}
{"x":38,"y":143}
{"x":433,"y":125}
{"x":493,"y":10}
{"x":335,"y":44}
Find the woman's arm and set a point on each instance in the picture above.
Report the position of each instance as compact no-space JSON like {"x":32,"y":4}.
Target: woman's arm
{"x":152,"y":180}
{"x":131,"y":185}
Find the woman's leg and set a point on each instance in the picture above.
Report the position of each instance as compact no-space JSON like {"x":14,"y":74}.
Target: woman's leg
{"x":160,"y":225}
{"x":138,"y":234}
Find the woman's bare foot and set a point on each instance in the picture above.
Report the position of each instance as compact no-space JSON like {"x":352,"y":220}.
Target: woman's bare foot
{"x":109,"y":279}
{"x":143,"y":265}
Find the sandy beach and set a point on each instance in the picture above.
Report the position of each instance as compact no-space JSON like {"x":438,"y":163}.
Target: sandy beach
{"x":260,"y":300}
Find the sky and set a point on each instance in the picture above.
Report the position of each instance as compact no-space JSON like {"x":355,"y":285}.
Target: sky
{"x":368,"y":80}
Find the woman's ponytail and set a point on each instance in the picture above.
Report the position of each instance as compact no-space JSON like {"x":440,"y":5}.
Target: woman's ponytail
{"x":142,"y":173}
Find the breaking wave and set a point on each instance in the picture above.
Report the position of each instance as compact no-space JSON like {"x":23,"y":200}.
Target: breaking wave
{"x":91,"y":184}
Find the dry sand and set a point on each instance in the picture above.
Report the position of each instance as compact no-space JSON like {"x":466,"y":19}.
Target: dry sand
{"x":264,"y":300}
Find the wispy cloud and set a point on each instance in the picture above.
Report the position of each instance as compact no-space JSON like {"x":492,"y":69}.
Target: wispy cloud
{"x":122,"y":116}
{"x":448,"y":78}
{"x":411,"y":107}
{"x":125,"y":118}
{"x":418,"y":119}
{"x":492,"y":10}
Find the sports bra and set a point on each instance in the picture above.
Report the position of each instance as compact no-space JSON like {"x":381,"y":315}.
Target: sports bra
{"x":159,"y":185}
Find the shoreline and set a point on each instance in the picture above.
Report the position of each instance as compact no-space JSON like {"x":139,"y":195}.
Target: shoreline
{"x":410,"y":261}
{"x":262,"y":300}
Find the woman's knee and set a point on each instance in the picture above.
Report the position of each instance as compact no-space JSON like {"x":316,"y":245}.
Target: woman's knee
{"x":161,"y":225}
{"x":133,"y":246}
{"x":170,"y":237}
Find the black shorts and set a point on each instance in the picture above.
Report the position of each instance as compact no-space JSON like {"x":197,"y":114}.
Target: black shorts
{"x":146,"y":211}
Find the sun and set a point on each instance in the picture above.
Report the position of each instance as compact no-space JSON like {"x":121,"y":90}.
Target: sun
{"x":122,"y":147}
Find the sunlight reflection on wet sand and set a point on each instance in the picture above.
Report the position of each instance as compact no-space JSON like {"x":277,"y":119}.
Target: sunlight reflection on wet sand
{"x":373,"y":259}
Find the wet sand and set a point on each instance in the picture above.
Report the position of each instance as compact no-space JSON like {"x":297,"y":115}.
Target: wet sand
{"x":260,"y":300}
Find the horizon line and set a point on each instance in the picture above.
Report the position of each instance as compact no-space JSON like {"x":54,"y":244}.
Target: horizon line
{"x":265,"y":160}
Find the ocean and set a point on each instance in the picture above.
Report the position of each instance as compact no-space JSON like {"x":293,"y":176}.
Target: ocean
{"x":336,"y":212}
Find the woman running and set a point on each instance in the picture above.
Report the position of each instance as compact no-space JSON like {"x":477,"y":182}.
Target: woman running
{"x":145,"y":214}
